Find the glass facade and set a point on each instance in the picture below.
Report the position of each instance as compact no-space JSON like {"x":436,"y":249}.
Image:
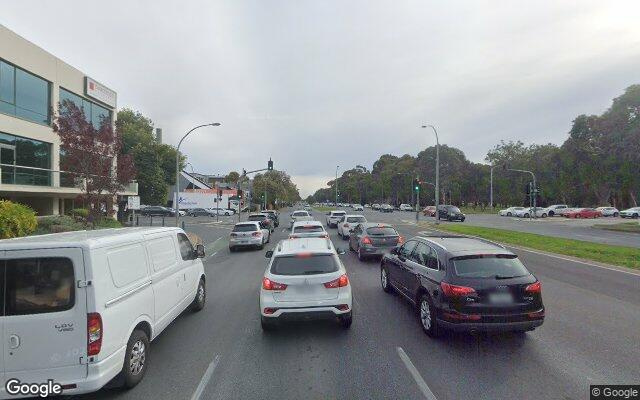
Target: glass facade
{"x":17,"y":154}
{"x":93,"y":112}
{"x":23,"y":94}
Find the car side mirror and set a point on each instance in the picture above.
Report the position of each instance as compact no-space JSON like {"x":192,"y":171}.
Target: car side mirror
{"x":340,"y":251}
{"x":394,"y":250}
{"x":269,"y":254}
{"x":199,"y":251}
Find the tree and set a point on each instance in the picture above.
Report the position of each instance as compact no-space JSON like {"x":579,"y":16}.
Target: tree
{"x":93,"y":156}
{"x":232,"y":177}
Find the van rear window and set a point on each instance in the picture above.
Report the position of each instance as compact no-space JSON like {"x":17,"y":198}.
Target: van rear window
{"x":304,"y":265}
{"x":39,"y":285}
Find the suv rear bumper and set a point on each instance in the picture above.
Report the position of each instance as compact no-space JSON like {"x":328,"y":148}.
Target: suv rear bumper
{"x":490,"y":327}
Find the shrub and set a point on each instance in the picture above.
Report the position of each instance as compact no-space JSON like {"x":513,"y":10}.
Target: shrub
{"x":107,"y":223}
{"x":58,"y":223}
{"x":80,"y":212}
{"x":16,"y":220}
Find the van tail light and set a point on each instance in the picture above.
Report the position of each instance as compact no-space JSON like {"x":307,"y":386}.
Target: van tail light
{"x":342,"y":281}
{"x":94,"y":334}
{"x":256,"y":234}
{"x":268,"y":284}
{"x":450,"y":290}
{"x":366,"y":240}
{"x":400,"y":239}
{"x":534,"y":288}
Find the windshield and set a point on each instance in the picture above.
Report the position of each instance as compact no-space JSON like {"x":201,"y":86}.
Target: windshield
{"x":339,"y":214}
{"x":308,"y":229}
{"x":257,"y":217}
{"x":304,"y":265}
{"x":356,"y":219}
{"x":245,"y":228}
{"x":489,"y":266}
{"x":454,"y":209}
{"x":300,"y":214}
{"x":382,"y":231}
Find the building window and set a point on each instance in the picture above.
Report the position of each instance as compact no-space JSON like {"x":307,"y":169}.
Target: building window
{"x":24,"y":161}
{"x":23,"y":94}
{"x":93,"y":112}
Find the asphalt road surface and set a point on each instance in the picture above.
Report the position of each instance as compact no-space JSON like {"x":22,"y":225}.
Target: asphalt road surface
{"x":590,"y":336}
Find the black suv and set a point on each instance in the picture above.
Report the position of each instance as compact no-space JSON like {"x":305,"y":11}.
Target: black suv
{"x":463,"y":283}
{"x":450,"y":213}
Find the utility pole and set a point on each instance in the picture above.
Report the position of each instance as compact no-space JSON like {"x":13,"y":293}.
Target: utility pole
{"x":337,"y":166}
{"x":491,"y":188}
{"x":535,"y":186}
{"x":437,"y":171}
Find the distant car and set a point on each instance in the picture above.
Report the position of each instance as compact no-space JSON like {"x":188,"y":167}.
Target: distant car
{"x":306,"y":229}
{"x":358,"y":207}
{"x":157,"y":211}
{"x":386,"y":208}
{"x":181,"y":213}
{"x":367,"y":205}
{"x":307,"y":208}
{"x":347,"y":223}
{"x":333,"y":217}
{"x":260,"y":217}
{"x":609,"y":211}
{"x":406,"y":207}
{"x":375,"y":206}
{"x":305,"y":279}
{"x":633,"y":212}
{"x":373,"y":240}
{"x":557,"y":209}
{"x":509,"y":212}
{"x":274,"y":216}
{"x":197,"y":212}
{"x":528,"y":212}
{"x":299,"y":215}
{"x":463,"y":284}
{"x":249,"y":234}
{"x":220,"y":211}
{"x":429,"y":211}
{"x":450,"y":213}
{"x":583,"y":213}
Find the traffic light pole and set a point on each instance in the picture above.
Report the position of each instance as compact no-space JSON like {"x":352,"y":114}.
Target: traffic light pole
{"x":535,"y":188}
{"x":244,"y":175}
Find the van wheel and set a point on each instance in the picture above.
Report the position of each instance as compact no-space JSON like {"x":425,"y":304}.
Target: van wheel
{"x":201,"y":297}
{"x":136,"y":359}
{"x":427,"y":316}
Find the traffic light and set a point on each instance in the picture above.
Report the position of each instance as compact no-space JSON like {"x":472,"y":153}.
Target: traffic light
{"x":416,"y":185}
{"x":527,"y":188}
{"x":270,"y":165}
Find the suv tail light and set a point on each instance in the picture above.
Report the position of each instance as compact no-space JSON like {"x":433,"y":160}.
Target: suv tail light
{"x":94,"y":334}
{"x":268,"y":284}
{"x":256,"y":234}
{"x":342,"y":281}
{"x":534,"y":288}
{"x":450,"y":290}
{"x":400,"y":239}
{"x":366,"y":240}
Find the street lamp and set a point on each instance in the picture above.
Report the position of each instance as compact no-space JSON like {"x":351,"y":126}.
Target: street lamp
{"x":491,"y":187}
{"x":437,"y":171}
{"x":337,"y":166}
{"x":177,"y":195}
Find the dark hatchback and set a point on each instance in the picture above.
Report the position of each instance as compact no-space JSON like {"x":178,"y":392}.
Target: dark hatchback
{"x":373,"y":240}
{"x":464,"y":284}
{"x":450,"y":213}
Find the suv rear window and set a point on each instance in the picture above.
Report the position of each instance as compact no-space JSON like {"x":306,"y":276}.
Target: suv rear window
{"x":301,"y":214}
{"x":356,"y":219}
{"x":308,"y":229}
{"x":245,"y":228}
{"x":39,"y":285}
{"x":382,"y":231}
{"x":489,"y":266}
{"x":304,"y":265}
{"x":339,"y":213}
{"x":256,"y":218}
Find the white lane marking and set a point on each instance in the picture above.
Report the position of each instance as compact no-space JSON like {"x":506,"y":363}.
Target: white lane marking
{"x":424,"y":388}
{"x":205,"y":378}
{"x":558,"y":257}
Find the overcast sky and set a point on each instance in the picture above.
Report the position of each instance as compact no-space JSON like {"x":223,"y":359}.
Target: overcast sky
{"x":314,"y":84}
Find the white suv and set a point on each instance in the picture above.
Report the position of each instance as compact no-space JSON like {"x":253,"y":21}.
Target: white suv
{"x":406,"y":207}
{"x":347,"y":223}
{"x":305,"y":279}
{"x":307,"y":229}
{"x":333,"y":217}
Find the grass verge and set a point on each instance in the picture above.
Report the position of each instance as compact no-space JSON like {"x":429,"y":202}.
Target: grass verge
{"x":615,"y":255}
{"x":324,"y":209}
{"x":632,"y":227}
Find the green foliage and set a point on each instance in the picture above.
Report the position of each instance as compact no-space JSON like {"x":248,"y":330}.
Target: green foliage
{"x":59,"y":223}
{"x":16,"y":220}
{"x":107,"y":223}
{"x":79,"y":212}
{"x":278,"y":186}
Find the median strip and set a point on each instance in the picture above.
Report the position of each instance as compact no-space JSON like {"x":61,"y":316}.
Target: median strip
{"x":608,"y":254}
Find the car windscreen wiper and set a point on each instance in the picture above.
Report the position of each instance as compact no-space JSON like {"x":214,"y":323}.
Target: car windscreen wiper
{"x":504,"y":277}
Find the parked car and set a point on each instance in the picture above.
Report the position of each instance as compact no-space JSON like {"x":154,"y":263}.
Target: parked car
{"x":220,"y":211}
{"x":274,"y":216}
{"x":347,"y":223}
{"x":429,"y":211}
{"x":197,"y":212}
{"x":464,"y":284}
{"x":386,"y":208}
{"x":375,"y":206}
{"x":306,"y":229}
{"x":557,"y":209}
{"x":358,"y":207}
{"x":528,"y":212}
{"x":261,"y":217}
{"x":300,"y":215}
{"x":509,"y":212}
{"x":305,"y":279}
{"x":373,"y":240}
{"x":406,"y":207}
{"x":333,"y":217}
{"x":633,"y":212}
{"x":157,"y":211}
{"x":249,"y":234}
{"x":609,"y":211}
{"x":450,"y":213}
{"x":583,"y":213}
{"x":83,"y":307}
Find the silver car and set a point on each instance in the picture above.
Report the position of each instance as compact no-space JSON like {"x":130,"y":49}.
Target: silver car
{"x":249,"y":234}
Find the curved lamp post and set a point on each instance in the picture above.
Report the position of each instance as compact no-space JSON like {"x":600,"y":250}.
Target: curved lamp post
{"x":437,"y":171}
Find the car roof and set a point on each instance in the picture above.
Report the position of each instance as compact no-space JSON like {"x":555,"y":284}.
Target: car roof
{"x":338,"y":212}
{"x":354,"y":215}
{"x":304,"y":245}
{"x":457,"y":246}
{"x":305,"y":223}
{"x":257,"y":214}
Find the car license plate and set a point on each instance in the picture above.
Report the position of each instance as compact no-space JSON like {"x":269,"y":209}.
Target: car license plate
{"x":501,"y":298}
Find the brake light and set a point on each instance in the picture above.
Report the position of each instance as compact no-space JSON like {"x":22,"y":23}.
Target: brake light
{"x":342,"y":281}
{"x":270,"y":310}
{"x":256,"y":234}
{"x":534,"y":288}
{"x":536,"y":314}
{"x":400,"y":239}
{"x":450,"y":290}
{"x":456,"y":316}
{"x":94,"y":334}
{"x":366,"y":240}
{"x":268,"y":284}
{"x":345,"y":225}
{"x":293,"y":237}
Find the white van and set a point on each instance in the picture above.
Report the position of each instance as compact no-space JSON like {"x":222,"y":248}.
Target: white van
{"x":82,"y":307}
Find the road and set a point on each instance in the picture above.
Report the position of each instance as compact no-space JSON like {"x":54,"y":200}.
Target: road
{"x":590,"y":336}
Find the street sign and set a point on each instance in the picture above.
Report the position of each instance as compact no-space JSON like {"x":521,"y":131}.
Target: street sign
{"x":133,"y":202}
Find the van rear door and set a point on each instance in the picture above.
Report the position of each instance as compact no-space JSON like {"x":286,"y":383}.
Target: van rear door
{"x":45,"y":322}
